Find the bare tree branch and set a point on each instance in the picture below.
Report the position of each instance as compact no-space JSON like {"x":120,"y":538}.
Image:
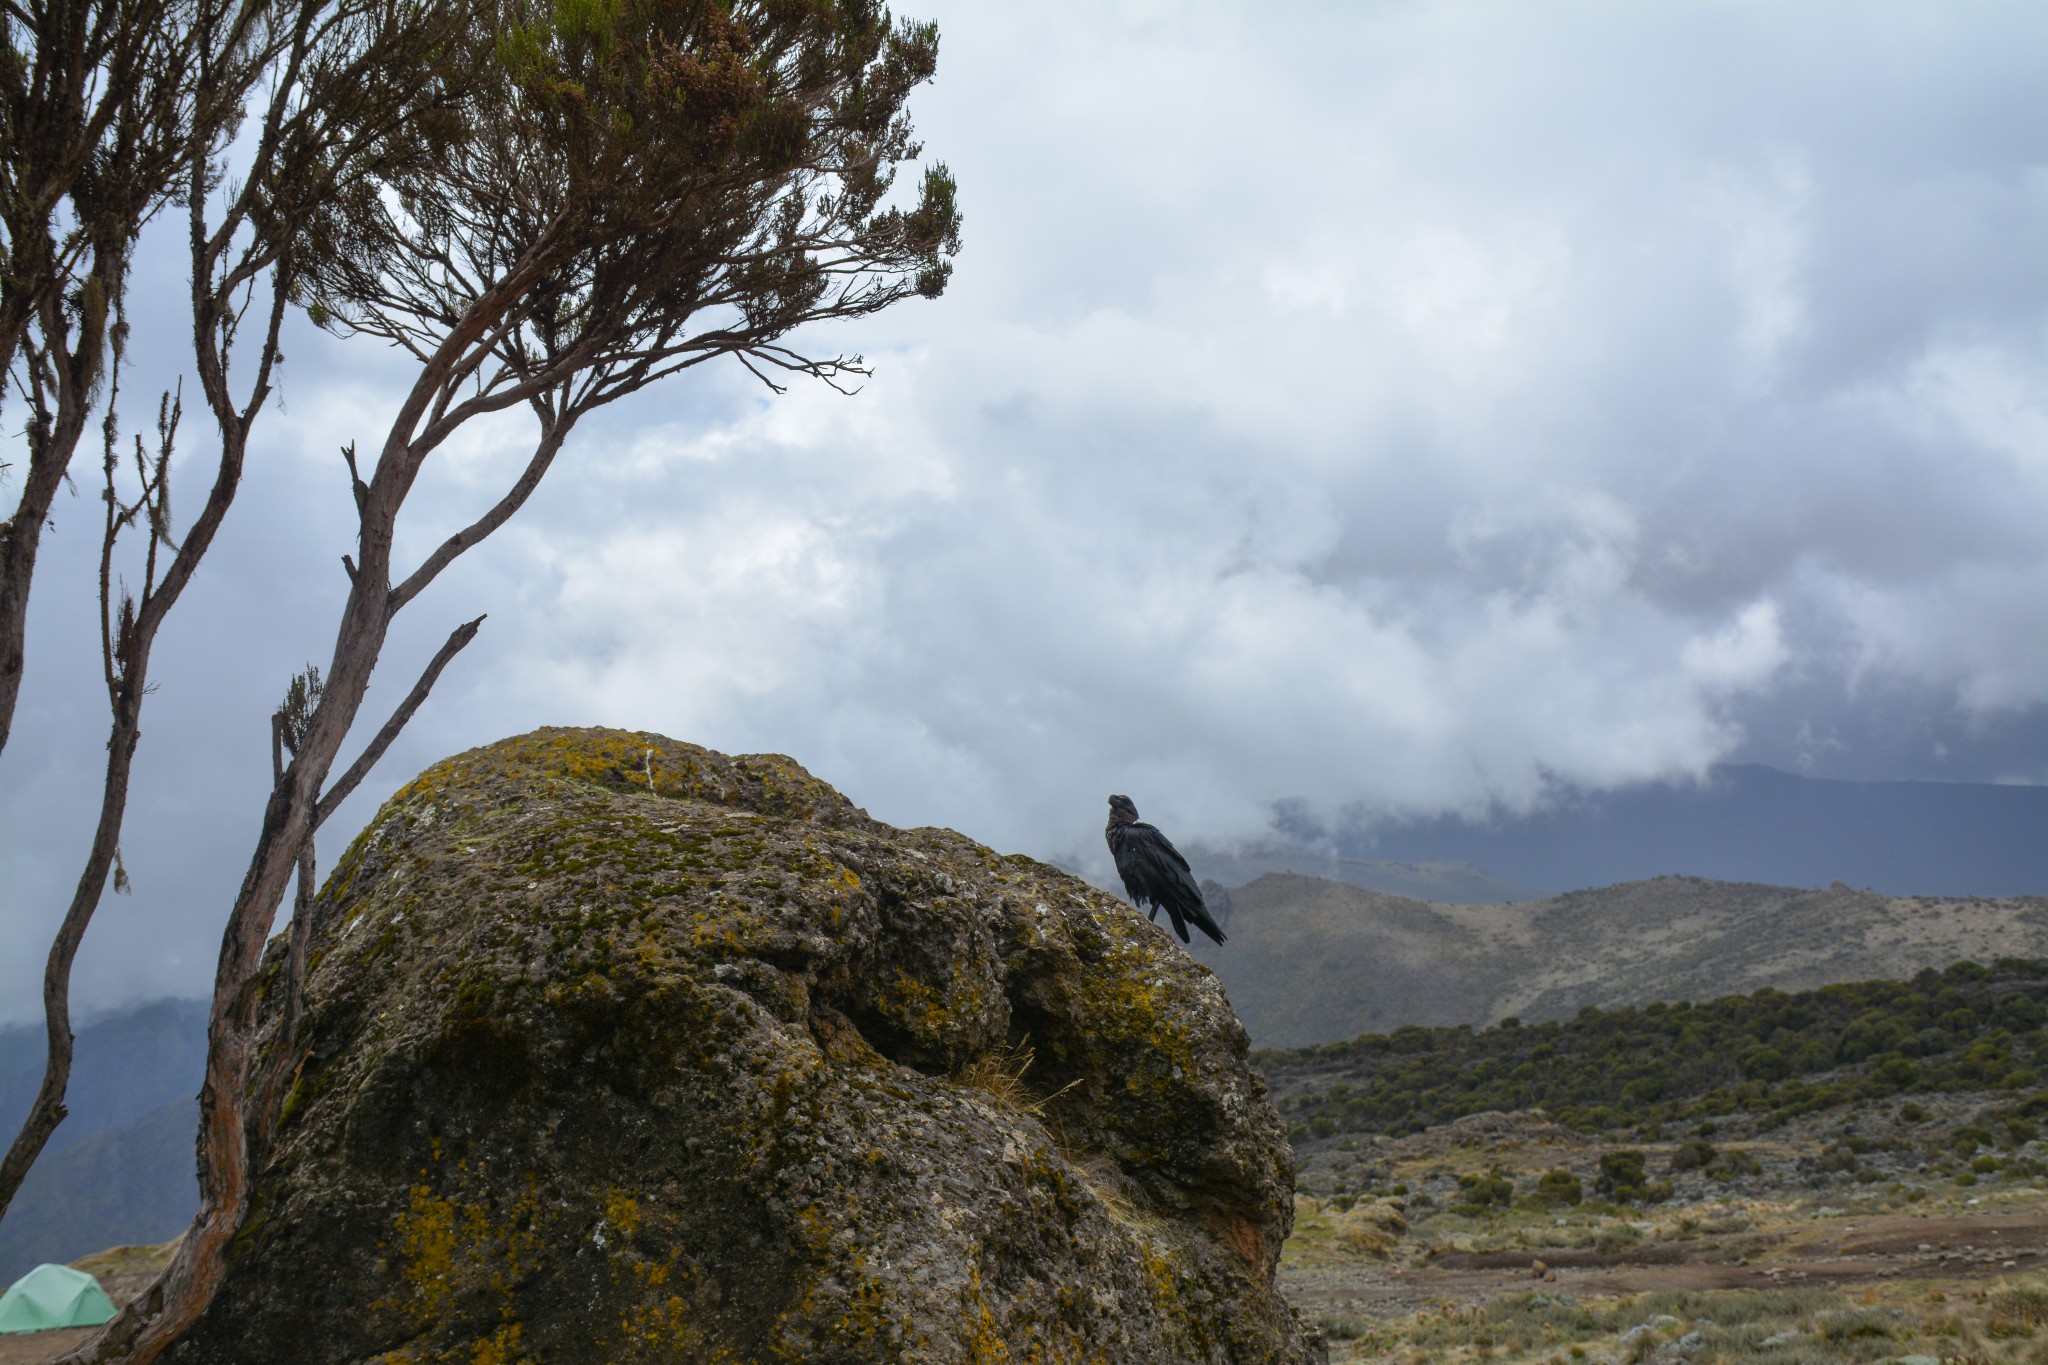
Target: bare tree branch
{"x":346,"y":784}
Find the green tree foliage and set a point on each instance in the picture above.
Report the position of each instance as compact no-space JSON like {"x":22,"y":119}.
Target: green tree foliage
{"x":1768,"y":1054}
{"x":582,"y":198}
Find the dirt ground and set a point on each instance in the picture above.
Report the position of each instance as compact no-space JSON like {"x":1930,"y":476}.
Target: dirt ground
{"x":123,"y":1272}
{"x":1840,"y":1252}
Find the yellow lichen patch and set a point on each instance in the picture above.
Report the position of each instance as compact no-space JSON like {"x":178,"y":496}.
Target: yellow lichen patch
{"x":1160,"y":1273}
{"x":866,"y":1316}
{"x":914,"y":1003}
{"x":500,"y":1348}
{"x":942,"y":1016}
{"x":625,"y":762}
{"x":444,"y":1244}
{"x":985,"y":1344}
{"x":622,"y":1211}
{"x":428,"y":1234}
{"x":666,"y":1329}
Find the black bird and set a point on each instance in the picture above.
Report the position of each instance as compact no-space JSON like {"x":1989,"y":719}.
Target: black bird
{"x":1154,"y":873}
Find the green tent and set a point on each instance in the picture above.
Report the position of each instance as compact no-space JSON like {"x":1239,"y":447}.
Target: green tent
{"x":54,"y":1296}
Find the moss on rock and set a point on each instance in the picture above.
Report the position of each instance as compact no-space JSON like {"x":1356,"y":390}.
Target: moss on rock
{"x":624,"y":1050}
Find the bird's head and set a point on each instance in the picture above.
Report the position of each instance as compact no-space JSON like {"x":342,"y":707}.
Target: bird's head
{"x":1121,"y":811}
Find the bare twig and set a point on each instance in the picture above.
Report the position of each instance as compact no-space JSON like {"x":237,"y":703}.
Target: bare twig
{"x":346,"y":784}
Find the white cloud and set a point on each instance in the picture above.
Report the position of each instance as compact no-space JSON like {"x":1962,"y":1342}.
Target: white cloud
{"x":1414,"y":406}
{"x":1743,"y":654}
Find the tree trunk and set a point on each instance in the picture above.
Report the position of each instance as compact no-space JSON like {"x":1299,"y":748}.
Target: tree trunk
{"x":21,"y":538}
{"x":227,"y":1150}
{"x":48,"y":1110}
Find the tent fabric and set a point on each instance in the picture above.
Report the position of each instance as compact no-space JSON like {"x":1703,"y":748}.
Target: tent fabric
{"x":54,"y":1296}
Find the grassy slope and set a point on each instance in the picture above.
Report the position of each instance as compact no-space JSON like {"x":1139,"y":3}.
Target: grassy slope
{"x":1311,"y":960}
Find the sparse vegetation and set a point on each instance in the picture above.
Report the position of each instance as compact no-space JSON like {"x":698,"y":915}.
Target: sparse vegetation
{"x":1769,"y":1056}
{"x":1736,"y":1327}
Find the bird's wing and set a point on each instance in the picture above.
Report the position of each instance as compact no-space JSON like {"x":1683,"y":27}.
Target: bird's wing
{"x":1165,"y":846}
{"x":1155,"y":875}
{"x":1128,"y":865}
{"x":1168,"y":880}
{"x":1199,"y":916}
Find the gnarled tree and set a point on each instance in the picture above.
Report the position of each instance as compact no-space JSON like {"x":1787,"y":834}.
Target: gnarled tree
{"x":636,"y":187}
{"x":101,"y":111}
{"x":349,"y":94}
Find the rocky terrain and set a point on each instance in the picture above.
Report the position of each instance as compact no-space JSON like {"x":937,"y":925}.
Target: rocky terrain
{"x":1315,"y":961}
{"x":1863,"y":1233}
{"x":1309,"y":960}
{"x":623,"y":1050}
{"x":1909,"y":1232}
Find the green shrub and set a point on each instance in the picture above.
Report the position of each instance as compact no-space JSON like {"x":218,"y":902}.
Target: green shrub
{"x":1733,"y":1166}
{"x":1846,"y":1324}
{"x":1767,"y":1056}
{"x":1492,"y":1190}
{"x":1691,"y":1156}
{"x":1557,"y":1189}
{"x":1623,"y":1179}
{"x":2018,"y":1312}
{"x":1343,"y":1328}
{"x":1968,"y":1139}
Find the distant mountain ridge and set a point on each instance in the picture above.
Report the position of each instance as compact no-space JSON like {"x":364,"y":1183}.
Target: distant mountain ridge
{"x":1450,"y":883}
{"x":1749,"y":823}
{"x":123,"y":1066}
{"x":1315,"y":961}
{"x":120,"y":1168}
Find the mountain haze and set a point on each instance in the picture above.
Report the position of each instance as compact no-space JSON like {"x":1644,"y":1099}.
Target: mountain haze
{"x":1751,"y":824}
{"x":120,"y":1168}
{"x":1451,"y":883}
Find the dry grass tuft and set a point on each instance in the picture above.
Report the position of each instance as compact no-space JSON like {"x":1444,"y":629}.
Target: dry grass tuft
{"x":999,"y":1073}
{"x":2018,"y":1312}
{"x":1370,"y":1228}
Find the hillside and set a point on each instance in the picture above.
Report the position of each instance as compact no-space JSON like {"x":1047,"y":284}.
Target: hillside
{"x":1763,"y":1057}
{"x":120,"y":1167}
{"x":113,"y":1186}
{"x":1311,"y":960}
{"x":124,"y":1065}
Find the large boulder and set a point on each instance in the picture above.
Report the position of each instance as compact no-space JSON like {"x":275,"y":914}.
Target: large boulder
{"x":624,"y":1050}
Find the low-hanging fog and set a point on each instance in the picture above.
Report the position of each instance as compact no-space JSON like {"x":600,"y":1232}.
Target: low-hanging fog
{"x":1408,"y":406}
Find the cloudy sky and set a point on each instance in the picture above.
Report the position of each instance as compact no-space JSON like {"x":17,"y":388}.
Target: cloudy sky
{"x":1407,"y":407}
